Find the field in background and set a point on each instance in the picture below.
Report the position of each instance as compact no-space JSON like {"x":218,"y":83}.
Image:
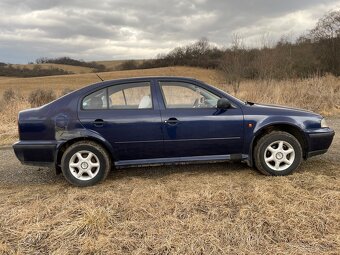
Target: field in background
{"x":114,"y":64}
{"x":67,"y":68}
{"x":321,"y":95}
{"x":74,"y":81}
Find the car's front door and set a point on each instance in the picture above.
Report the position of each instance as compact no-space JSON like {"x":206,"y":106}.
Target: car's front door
{"x":193,"y":126}
{"x":126,"y":116}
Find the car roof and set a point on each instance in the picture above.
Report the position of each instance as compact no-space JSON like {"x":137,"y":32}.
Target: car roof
{"x":135,"y":79}
{"x":149,"y":78}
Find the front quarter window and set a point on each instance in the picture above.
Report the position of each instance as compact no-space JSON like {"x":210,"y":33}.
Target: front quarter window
{"x":95,"y":101}
{"x":187,"y":95}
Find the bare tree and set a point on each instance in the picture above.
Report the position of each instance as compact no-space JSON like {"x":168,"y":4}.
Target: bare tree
{"x":328,"y":27}
{"x":232,"y":63}
{"x":327,"y":35}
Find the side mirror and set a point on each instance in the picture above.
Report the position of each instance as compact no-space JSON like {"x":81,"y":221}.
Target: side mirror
{"x":223,"y":104}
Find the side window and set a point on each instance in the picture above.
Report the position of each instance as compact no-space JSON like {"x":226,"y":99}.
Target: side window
{"x":95,"y":101}
{"x":130,"y":96}
{"x":186,"y":95}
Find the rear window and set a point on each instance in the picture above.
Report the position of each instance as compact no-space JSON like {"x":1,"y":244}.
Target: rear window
{"x":95,"y":101}
{"x":130,"y":96}
{"x":124,"y":96}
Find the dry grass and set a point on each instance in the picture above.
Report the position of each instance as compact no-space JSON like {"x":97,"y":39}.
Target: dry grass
{"x":58,"y":83}
{"x":8,"y":116}
{"x":321,"y":95}
{"x":204,"y":209}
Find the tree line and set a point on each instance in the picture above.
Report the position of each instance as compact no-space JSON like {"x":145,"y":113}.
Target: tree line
{"x":72,"y":62}
{"x":315,"y":53}
{"x":9,"y":70}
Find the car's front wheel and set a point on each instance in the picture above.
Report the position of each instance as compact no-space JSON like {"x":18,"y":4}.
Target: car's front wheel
{"x":277,"y":153}
{"x":85,"y":163}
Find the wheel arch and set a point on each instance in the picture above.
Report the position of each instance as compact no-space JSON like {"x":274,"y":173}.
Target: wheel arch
{"x":63,"y":146}
{"x":292,"y":129}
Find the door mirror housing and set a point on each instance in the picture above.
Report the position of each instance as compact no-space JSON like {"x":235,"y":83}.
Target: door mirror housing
{"x":223,"y":104}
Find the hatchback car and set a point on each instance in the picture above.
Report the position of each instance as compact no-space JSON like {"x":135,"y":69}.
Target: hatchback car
{"x":164,"y":120}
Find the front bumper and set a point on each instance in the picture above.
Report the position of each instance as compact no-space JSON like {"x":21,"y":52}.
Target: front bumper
{"x":36,"y":153}
{"x":319,"y":141}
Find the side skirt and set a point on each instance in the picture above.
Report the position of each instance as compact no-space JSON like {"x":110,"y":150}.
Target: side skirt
{"x":180,"y":160}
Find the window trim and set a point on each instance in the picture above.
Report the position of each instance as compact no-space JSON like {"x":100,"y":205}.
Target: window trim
{"x":183,"y":108}
{"x":107,"y":97}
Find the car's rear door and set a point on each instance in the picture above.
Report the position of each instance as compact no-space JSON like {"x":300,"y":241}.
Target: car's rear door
{"x":193,"y":126}
{"x":127,"y":116}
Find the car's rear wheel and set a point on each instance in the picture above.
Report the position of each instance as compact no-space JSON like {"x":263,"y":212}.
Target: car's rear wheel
{"x":277,"y":153}
{"x":85,"y":163}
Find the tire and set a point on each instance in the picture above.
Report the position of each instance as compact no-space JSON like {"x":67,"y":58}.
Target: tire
{"x":85,"y":163}
{"x":277,"y":153}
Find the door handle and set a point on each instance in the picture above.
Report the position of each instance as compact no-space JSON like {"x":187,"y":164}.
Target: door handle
{"x":171,"y":121}
{"x":98,"y":123}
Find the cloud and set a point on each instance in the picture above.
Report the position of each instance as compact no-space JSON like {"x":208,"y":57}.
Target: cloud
{"x":127,"y":29}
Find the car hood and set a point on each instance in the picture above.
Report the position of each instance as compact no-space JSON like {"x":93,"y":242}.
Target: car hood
{"x":280,"y":110}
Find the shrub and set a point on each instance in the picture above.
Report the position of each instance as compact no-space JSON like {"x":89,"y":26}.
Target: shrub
{"x":2,"y":105}
{"x":128,"y":65}
{"x":37,"y":71}
{"x":39,"y":97}
{"x":8,"y":95}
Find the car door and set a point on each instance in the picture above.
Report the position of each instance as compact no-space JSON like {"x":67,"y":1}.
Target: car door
{"x":126,"y":115}
{"x":193,"y":126}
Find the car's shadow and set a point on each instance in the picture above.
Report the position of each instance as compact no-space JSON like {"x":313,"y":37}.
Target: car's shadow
{"x":26,"y":175}
{"x":157,"y":172}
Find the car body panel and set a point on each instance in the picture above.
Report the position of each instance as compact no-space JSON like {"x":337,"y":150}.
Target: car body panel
{"x":135,"y":137}
{"x":200,"y":131}
{"x":133,"y":134}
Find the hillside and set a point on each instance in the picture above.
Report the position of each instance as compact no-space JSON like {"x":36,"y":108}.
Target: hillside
{"x":60,"y":82}
{"x":111,"y":64}
{"x":67,"y":68}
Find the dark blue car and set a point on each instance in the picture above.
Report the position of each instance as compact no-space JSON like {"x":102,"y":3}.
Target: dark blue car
{"x":164,"y":120}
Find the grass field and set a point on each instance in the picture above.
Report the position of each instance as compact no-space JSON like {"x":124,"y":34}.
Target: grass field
{"x":110,"y":65}
{"x":60,"y":82}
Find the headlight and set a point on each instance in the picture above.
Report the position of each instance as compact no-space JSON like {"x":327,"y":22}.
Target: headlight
{"x":324,"y":123}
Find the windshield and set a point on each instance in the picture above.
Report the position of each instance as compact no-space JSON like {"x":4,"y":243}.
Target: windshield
{"x":234,"y":98}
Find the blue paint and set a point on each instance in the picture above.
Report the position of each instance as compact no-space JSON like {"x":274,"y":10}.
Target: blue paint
{"x":160,"y":135}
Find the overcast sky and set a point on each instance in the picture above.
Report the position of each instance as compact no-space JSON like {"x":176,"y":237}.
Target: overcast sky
{"x":133,"y":29}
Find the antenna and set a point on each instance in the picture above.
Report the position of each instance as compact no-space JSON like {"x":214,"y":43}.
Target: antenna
{"x":99,"y":77}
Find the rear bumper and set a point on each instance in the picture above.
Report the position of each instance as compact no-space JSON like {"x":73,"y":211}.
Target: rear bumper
{"x":319,"y":142}
{"x":36,"y":153}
